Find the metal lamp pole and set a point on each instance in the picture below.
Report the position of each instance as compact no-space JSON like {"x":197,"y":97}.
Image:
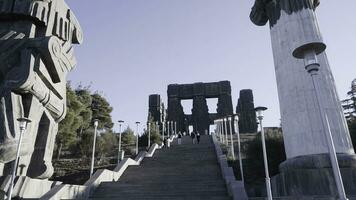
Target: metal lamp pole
{"x":121,"y":155}
{"x":163,"y":130}
{"x":231,"y":139}
{"x":259,"y":111}
{"x":312,"y":66}
{"x":225,"y":126}
{"x":137,"y":123}
{"x":120,"y":133}
{"x":168,"y":128}
{"x":23,"y":125}
{"x":149,"y":134}
{"x":216,"y":128}
{"x":221,"y":131}
{"x":157,"y":127}
{"x":239,"y":147}
{"x":96,"y":123}
{"x":175,"y":127}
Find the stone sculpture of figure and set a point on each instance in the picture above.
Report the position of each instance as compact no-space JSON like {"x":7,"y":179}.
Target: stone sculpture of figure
{"x":270,"y":10}
{"x":36,"y":54}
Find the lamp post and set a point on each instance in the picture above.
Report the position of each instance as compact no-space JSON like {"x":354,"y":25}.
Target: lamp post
{"x":149,"y":134}
{"x":175,"y":127}
{"x":221,"y":133}
{"x":96,"y":123}
{"x":216,"y":128}
{"x":121,"y":154}
{"x":259,"y":111}
{"x":236,"y":124}
{"x":157,"y":127}
{"x":137,"y":123}
{"x":309,"y":53}
{"x":120,"y":133}
{"x":163,"y":130}
{"x":231,"y":138}
{"x":168,"y":128}
{"x":23,"y":126}
{"x":225,"y":127}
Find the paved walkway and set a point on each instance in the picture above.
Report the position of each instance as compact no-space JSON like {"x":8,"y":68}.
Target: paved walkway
{"x":184,"y":171}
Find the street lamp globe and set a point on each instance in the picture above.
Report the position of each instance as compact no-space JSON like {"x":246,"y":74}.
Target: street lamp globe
{"x":259,"y":111}
{"x":23,"y":123}
{"x":96,"y":122}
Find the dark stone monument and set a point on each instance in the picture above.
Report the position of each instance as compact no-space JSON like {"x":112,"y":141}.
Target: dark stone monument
{"x":157,"y":111}
{"x":200,"y":118}
{"x":154,"y":110}
{"x":246,"y":111}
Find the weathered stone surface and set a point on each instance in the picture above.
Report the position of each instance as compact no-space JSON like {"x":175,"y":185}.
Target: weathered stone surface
{"x":271,"y":10}
{"x":200,"y":119}
{"x":294,"y":25}
{"x":312,"y":175}
{"x":302,"y":127}
{"x":36,"y":53}
{"x":246,"y":111}
{"x":154,"y":110}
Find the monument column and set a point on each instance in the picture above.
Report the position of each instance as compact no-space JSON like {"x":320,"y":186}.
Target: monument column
{"x":200,"y":114}
{"x":293,"y":24}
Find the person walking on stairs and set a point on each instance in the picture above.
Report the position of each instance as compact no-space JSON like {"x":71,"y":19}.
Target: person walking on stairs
{"x":179,"y":138}
{"x":198,"y":137}
{"x":192,"y":135}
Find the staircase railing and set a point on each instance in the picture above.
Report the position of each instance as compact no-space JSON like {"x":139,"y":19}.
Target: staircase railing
{"x":236,"y":188}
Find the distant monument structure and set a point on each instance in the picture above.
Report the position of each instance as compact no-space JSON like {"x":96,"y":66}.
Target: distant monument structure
{"x":36,"y":54}
{"x":155,"y":108}
{"x":200,"y":118}
{"x":157,"y":112}
{"x":307,"y":171}
{"x":246,"y":111}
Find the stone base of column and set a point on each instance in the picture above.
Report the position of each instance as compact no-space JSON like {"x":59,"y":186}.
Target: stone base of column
{"x":26,"y":187}
{"x":312,"y":175}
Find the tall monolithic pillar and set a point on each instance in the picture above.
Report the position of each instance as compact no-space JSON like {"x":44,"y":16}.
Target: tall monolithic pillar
{"x":307,"y":170}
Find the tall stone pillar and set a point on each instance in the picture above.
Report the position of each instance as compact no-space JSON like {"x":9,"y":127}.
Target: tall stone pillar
{"x":307,"y":170}
{"x":246,"y":111}
{"x":200,"y":115}
{"x":154,"y":107}
{"x":176,"y":113}
{"x":224,"y":107}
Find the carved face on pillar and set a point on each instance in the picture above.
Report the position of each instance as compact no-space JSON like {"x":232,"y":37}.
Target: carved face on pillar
{"x":270,"y":10}
{"x":36,"y":54}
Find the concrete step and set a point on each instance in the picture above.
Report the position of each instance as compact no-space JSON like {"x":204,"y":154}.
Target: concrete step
{"x":184,"y":171}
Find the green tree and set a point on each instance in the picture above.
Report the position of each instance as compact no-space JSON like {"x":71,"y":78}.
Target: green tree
{"x":254,"y":166}
{"x":128,"y":137}
{"x":108,"y":144}
{"x":101,"y":111}
{"x":154,"y":134}
{"x":352,"y":128}
{"x":67,"y":131}
{"x":86,"y":142}
{"x":84,"y":96}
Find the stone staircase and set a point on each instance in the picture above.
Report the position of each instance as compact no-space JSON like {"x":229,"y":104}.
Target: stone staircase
{"x":183,"y":171}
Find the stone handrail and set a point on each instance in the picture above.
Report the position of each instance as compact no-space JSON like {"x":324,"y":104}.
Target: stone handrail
{"x":236,"y":188}
{"x":66,"y":191}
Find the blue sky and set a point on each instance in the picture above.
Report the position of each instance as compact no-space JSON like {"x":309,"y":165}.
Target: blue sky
{"x":133,"y":48}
